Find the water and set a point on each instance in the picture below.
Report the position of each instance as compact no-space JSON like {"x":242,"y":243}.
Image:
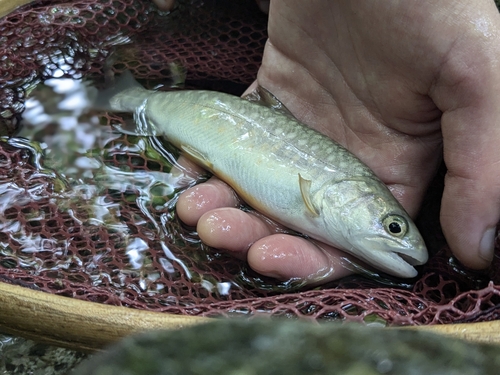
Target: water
{"x":101,"y":178}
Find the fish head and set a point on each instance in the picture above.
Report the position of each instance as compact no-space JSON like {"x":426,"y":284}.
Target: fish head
{"x":373,"y":226}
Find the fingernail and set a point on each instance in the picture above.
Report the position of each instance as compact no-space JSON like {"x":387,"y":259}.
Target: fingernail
{"x":487,"y":244}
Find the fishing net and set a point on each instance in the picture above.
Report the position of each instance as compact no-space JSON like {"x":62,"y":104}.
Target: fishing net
{"x":112,"y":236}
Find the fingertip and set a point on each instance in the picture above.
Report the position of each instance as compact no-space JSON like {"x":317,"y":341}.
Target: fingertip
{"x":191,"y":204}
{"x":231,"y":229}
{"x":472,"y":253}
{"x":164,"y":4}
{"x":199,"y":199}
{"x":286,"y":257}
{"x":468,"y":220}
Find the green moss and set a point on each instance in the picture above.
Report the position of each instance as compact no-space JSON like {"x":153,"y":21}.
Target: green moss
{"x":266,"y":347}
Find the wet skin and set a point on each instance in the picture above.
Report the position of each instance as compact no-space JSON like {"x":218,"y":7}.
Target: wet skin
{"x":401,"y":84}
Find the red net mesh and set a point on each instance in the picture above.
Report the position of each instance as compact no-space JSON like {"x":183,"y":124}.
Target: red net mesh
{"x":51,"y":242}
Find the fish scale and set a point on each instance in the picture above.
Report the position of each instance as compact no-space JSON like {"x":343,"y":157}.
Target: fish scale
{"x":282,"y":168}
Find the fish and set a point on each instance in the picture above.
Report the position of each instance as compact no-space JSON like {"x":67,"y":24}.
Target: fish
{"x":281,"y":168}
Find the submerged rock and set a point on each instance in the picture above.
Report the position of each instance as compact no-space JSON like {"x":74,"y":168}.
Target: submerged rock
{"x":265,"y":347}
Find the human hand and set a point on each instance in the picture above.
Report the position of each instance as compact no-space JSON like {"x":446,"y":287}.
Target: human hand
{"x":400,"y":84}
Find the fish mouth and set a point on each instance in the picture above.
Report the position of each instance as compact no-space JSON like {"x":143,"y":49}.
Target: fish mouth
{"x":401,"y":264}
{"x":411,"y":260}
{"x":398,"y":262}
{"x":393,"y":264}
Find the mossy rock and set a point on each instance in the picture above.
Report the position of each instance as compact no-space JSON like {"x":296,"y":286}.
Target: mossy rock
{"x":270,"y":346}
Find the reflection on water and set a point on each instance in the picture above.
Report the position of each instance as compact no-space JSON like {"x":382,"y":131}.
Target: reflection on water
{"x":70,"y":148}
{"x":95,"y":175}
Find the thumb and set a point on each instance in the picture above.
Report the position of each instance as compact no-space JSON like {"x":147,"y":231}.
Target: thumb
{"x":467,"y":92}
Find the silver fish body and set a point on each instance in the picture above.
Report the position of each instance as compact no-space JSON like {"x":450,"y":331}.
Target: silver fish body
{"x":285,"y":170}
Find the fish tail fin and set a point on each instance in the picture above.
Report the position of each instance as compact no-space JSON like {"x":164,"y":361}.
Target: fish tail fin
{"x":125,"y":95}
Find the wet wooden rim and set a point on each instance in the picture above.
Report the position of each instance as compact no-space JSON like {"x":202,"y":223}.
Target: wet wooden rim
{"x":7,"y":6}
{"x":90,"y":326}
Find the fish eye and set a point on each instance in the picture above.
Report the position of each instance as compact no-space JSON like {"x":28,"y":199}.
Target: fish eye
{"x":395,"y":225}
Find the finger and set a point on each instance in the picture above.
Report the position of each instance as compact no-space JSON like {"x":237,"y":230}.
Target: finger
{"x":232,"y":230}
{"x":286,"y":257}
{"x":467,"y":93}
{"x":164,"y":4}
{"x":199,"y":199}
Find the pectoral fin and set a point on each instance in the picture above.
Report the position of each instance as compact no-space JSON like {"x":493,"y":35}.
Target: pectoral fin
{"x":264,"y":97}
{"x":305,"y":191}
{"x":197,"y":157}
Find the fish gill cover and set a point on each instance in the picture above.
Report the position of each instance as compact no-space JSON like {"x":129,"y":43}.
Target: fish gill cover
{"x":108,"y":233}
